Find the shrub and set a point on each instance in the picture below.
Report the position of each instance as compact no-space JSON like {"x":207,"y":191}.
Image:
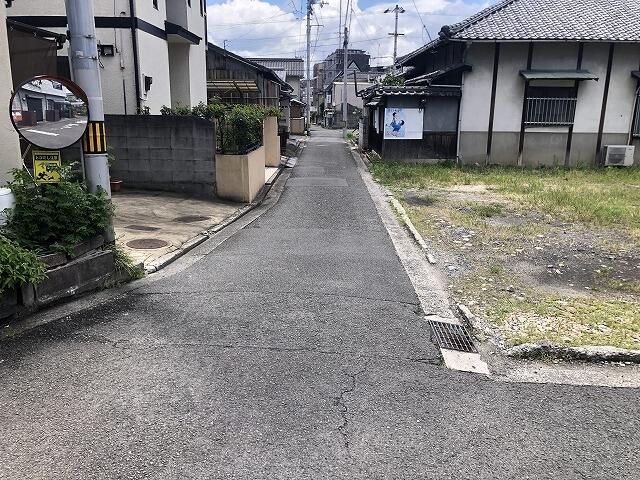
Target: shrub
{"x":239,"y":126}
{"x":18,"y":266}
{"x":393,"y":80}
{"x":55,"y":216}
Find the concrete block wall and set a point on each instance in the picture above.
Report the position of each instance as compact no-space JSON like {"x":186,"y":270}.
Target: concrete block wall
{"x":175,"y":154}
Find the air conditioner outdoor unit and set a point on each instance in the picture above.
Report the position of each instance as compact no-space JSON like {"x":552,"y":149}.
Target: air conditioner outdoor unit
{"x":619,"y":155}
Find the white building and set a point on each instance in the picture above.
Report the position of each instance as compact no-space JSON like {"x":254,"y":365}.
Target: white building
{"x":524,"y":82}
{"x":10,"y":151}
{"x":153,"y":52}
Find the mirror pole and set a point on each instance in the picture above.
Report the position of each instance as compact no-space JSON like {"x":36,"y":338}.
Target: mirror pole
{"x":86,"y":73}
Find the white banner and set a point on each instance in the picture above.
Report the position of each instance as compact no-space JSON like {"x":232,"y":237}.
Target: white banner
{"x":403,"y":123}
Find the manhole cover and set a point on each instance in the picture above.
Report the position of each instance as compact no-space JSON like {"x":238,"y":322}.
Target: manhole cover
{"x":142,"y":228}
{"x":452,"y":336}
{"x":191,"y":219}
{"x":147,"y":243}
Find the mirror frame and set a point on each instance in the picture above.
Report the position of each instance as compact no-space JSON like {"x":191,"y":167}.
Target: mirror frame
{"x":75,"y":89}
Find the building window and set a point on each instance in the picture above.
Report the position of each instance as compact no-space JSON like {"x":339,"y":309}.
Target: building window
{"x":189,"y":3}
{"x":550,"y":106}
{"x":636,"y":121}
{"x":155,"y":4}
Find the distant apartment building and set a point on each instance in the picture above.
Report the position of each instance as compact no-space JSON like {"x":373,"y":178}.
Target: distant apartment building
{"x":152,"y":52}
{"x":334,"y":63}
{"x":291,"y":70}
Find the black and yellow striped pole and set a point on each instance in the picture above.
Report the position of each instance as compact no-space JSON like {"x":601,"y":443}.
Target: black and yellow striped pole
{"x":95,"y":139}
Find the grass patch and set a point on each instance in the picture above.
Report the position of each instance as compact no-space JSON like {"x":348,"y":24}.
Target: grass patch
{"x":604,"y":197}
{"x":124,"y":263}
{"x":486,"y":210}
{"x":530,"y":315}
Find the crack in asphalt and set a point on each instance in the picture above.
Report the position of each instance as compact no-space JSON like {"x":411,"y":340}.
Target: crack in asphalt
{"x":340,"y":402}
{"x":128,"y":344}
{"x":278,"y":292}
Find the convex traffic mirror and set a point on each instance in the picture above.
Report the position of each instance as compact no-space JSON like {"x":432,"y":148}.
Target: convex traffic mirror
{"x":50,"y":112}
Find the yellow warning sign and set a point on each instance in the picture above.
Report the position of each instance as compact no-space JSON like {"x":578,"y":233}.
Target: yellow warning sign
{"x":95,"y":138}
{"x":46,"y":166}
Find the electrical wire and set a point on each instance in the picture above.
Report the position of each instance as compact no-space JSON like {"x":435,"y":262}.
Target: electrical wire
{"x":421,"y":21}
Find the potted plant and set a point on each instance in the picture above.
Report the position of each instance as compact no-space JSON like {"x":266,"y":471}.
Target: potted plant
{"x":116,"y":185}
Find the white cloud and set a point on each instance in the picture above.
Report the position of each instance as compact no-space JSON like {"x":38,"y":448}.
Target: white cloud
{"x":260,"y":28}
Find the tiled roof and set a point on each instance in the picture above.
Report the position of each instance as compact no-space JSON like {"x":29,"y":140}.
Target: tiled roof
{"x":525,"y":20}
{"x":589,"y":20}
{"x":424,"y":91}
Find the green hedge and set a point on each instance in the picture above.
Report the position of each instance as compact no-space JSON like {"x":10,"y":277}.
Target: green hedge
{"x":55,"y":217}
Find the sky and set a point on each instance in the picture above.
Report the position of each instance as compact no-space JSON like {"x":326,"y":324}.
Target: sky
{"x":277,"y":28}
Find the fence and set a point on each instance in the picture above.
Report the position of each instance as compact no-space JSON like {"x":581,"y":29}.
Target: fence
{"x":550,"y":111}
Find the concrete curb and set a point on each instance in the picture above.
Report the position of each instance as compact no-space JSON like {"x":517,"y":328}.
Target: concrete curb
{"x":534,"y":351}
{"x":205,"y":235}
{"x":397,"y":206}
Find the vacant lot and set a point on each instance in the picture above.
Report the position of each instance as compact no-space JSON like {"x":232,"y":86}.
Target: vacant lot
{"x":538,"y":254}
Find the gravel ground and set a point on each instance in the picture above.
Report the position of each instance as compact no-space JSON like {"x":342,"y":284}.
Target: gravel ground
{"x":530,"y":276}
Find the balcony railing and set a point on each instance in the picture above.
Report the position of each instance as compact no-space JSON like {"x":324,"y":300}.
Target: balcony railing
{"x":554,"y":112}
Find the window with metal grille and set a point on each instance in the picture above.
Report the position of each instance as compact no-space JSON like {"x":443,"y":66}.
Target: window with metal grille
{"x":550,"y":106}
{"x":636,"y":120}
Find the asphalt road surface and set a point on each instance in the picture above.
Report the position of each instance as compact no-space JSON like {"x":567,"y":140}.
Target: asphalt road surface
{"x":58,"y":134}
{"x":296,"y":349}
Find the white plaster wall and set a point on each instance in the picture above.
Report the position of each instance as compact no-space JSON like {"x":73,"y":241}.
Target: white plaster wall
{"x":476,"y":92}
{"x":590,"y":92}
{"x":156,"y":66}
{"x":102,"y":8}
{"x":179,"y":74}
{"x":198,"y":72}
{"x":195,"y":21}
{"x":554,"y":56}
{"x":10,"y":151}
{"x":510,"y":87}
{"x":351,"y":93}
{"x":622,"y":89}
{"x":146,"y":12}
{"x":295,"y":84}
{"x":176,"y":12}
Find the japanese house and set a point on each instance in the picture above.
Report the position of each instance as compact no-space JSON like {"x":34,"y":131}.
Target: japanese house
{"x":524,"y":82}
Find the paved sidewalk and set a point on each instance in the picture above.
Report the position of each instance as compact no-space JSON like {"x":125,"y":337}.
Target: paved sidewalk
{"x":295,"y":348}
{"x":152,"y":224}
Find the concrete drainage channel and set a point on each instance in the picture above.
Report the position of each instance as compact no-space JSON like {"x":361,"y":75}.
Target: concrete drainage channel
{"x":449,"y":332}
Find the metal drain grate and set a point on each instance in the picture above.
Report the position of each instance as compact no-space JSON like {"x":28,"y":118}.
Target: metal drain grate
{"x":142,"y":228}
{"x":452,"y":336}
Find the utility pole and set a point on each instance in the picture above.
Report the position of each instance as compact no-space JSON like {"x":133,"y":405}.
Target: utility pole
{"x":397,"y":10}
{"x":340,"y":26}
{"x":345,"y":103}
{"x":86,"y":73}
{"x":310,"y":4}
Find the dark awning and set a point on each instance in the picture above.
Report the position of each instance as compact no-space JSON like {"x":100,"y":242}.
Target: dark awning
{"x":636,"y":74}
{"x":558,"y":75}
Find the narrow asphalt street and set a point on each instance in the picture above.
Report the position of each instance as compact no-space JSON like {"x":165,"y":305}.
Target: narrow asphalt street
{"x":296,"y":349}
